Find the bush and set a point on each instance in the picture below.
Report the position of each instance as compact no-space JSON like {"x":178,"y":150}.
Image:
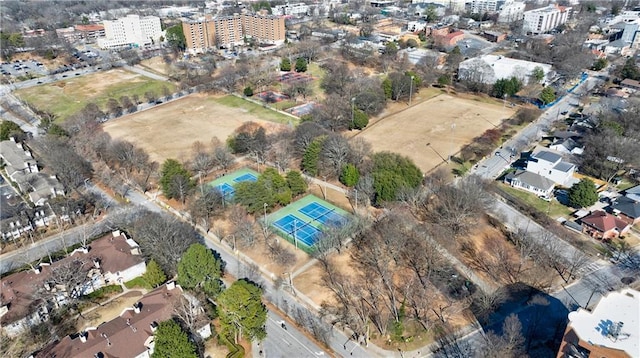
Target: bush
{"x":248,"y":91}
{"x":360,"y":120}
{"x":104,"y":292}
{"x":350,"y":175}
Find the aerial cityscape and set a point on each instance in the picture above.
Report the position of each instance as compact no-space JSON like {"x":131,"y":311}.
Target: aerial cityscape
{"x":327,"y":178}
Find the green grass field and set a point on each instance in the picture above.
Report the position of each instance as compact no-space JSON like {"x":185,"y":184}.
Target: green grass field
{"x":67,"y":97}
{"x":255,"y":109}
{"x":553,"y":208}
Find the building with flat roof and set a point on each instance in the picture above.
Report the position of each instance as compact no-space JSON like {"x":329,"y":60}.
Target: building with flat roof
{"x":545,"y":19}
{"x":611,"y":329}
{"x":490,"y":68}
{"x":229,"y":31}
{"x":296,"y":9}
{"x":131,"y":31}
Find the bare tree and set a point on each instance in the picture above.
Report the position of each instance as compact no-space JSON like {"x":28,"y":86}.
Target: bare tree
{"x":189,"y":310}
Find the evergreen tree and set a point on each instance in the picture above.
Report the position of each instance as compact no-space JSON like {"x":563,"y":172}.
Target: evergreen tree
{"x":311,"y":156}
{"x":301,"y":64}
{"x":199,"y":269}
{"x":350,"y":175}
{"x":285,"y":64}
{"x":548,"y":95}
{"x":171,"y":341}
{"x":296,"y":182}
{"x":154,"y":275}
{"x":241,"y":311}
{"x":583,"y":194}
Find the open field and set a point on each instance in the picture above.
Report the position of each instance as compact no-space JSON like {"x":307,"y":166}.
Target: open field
{"x":169,"y":130}
{"x":255,"y":109}
{"x":444,"y":122}
{"x":69,"y":96}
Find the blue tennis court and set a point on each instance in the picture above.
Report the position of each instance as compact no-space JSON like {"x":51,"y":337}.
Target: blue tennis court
{"x":298,"y":229}
{"x":245,"y":177}
{"x":226,"y":190}
{"x":321,"y":213}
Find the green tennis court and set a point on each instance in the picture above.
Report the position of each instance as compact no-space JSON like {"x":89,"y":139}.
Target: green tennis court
{"x":301,"y":222}
{"x":226,"y":182}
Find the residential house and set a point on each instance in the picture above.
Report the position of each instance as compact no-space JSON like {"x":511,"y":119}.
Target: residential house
{"x":633,"y":193}
{"x":567,"y":146}
{"x":611,"y":329}
{"x":22,"y":169}
{"x":630,"y":84}
{"x":627,"y":209}
{"x":551,"y":166}
{"x":112,"y":259}
{"x":131,"y":334}
{"x":13,"y":226}
{"x":531,"y":182}
{"x":605,"y":226}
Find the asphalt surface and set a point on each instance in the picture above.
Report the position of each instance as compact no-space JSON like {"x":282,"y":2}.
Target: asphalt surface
{"x":285,"y":342}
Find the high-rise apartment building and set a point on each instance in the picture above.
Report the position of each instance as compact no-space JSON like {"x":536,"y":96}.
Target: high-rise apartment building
{"x":542,"y":20}
{"x":229,"y":31}
{"x":131,"y":31}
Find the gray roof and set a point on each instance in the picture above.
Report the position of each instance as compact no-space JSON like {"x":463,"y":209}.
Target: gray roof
{"x":547,"y":156}
{"x":14,"y":154}
{"x":566,"y":134}
{"x":563,"y":167}
{"x":634,"y":190}
{"x":627,"y":206}
{"x":531,"y":179}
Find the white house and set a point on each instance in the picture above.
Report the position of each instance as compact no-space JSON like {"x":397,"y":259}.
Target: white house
{"x":551,"y":166}
{"x":131,"y":31}
{"x":530,"y":182}
{"x":490,"y":68}
{"x":545,"y":19}
{"x":567,"y":146}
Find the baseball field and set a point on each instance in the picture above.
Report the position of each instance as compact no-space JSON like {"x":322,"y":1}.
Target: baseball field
{"x":68,"y":96}
{"x":430,"y":131}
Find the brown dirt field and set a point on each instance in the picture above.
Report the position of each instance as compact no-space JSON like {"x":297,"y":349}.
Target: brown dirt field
{"x":408,"y":131}
{"x":169,"y":130}
{"x":109,"y":311}
{"x":156,"y":64}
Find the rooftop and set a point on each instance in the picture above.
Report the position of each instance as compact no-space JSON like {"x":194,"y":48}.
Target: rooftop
{"x":546,"y":156}
{"x":532,"y":179}
{"x":127,"y":335}
{"x":20,"y":290}
{"x":614,"y":323}
{"x":604,"y":221}
{"x":627,"y":206}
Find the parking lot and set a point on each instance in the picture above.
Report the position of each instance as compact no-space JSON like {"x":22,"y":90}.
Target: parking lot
{"x":23,"y":68}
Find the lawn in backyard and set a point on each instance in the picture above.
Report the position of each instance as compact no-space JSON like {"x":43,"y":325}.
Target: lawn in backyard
{"x":553,"y":208}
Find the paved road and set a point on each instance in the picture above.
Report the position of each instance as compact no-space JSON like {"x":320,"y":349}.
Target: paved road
{"x":285,"y":343}
{"x":146,"y":73}
{"x":492,"y":166}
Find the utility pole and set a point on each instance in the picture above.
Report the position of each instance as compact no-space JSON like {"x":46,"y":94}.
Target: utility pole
{"x":410,"y":90}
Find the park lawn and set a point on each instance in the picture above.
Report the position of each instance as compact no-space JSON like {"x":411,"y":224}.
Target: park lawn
{"x":553,"y":208}
{"x":69,"y":96}
{"x":317,"y":72}
{"x":255,"y":109}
